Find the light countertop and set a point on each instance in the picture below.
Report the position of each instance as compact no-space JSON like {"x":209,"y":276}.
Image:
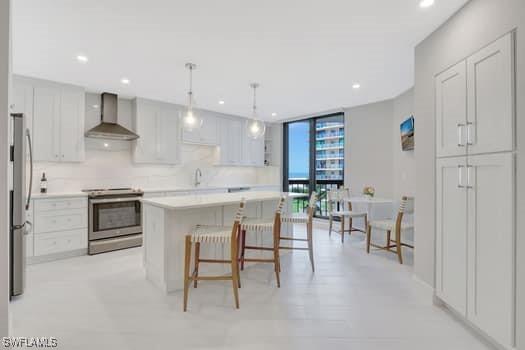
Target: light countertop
{"x":214,"y":200}
{"x":203,"y":188}
{"x":57,"y":195}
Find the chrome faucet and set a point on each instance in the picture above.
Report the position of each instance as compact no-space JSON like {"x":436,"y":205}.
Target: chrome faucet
{"x":198,"y":176}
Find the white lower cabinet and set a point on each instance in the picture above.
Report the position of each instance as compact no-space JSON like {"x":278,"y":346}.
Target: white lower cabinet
{"x":451,"y":228}
{"x":60,"y":225}
{"x":491,"y":245}
{"x":60,"y":242}
{"x":475,"y":242}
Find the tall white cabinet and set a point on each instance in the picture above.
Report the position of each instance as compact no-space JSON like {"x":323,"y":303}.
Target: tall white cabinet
{"x":475,"y":190}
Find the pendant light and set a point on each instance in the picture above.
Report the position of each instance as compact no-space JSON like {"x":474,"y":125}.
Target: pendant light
{"x":191,"y":120}
{"x":255,"y":127}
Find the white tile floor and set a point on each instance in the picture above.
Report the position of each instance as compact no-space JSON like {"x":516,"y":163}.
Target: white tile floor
{"x":353,"y":301}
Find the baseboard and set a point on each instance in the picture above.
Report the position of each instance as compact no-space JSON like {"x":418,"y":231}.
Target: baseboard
{"x":472,"y":328}
{"x":424,"y":284}
{"x":52,"y":257}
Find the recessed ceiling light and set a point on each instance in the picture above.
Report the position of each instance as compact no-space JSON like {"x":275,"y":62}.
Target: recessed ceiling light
{"x":274,"y":114}
{"x":426,"y":3}
{"x":356,"y":86}
{"x":96,"y":106}
{"x":125,"y":81}
{"x":82,"y":58}
{"x":106,"y":144}
{"x":221,"y":102}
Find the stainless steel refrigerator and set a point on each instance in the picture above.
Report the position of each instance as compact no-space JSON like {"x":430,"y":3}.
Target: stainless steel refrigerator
{"x":19,"y":199}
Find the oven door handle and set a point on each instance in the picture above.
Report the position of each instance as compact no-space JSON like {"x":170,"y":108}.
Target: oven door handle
{"x":115,"y":200}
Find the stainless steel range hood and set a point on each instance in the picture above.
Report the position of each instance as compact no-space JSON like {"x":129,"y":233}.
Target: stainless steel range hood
{"x":109,"y":127}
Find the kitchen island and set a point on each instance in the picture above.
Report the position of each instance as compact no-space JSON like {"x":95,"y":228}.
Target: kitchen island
{"x":167,"y":220}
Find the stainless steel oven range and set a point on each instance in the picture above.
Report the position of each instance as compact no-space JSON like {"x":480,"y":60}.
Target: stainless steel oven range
{"x":115,"y":219}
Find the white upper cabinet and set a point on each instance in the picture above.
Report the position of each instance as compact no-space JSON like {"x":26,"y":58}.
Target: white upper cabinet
{"x":72,"y":109}
{"x":55,"y":115}
{"x":451,"y":232}
{"x":230,"y":141}
{"x":23,"y":100}
{"x":451,"y":111}
{"x":252,"y":149}
{"x":236,"y":147}
{"x":156,"y":123}
{"x":205,"y":135}
{"x":46,"y":119}
{"x":491,"y":245}
{"x":491,"y":98}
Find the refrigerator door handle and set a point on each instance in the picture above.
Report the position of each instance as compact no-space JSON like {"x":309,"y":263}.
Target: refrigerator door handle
{"x":30,"y":169}
{"x":29,"y":227}
{"x":19,"y":227}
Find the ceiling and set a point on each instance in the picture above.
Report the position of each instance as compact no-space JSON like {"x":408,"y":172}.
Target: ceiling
{"x":306,"y":54}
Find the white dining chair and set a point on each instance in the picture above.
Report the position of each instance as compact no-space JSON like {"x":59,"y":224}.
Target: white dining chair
{"x":394,"y":225}
{"x":339,"y":206}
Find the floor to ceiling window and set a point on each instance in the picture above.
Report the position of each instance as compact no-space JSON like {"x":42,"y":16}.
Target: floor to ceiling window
{"x":314,"y":158}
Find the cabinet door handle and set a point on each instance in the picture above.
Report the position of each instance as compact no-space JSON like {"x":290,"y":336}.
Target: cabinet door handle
{"x":469,"y":134}
{"x":460,"y":135}
{"x":460,"y":176}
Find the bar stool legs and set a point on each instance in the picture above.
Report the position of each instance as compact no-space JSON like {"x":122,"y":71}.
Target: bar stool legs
{"x":236,"y":282}
{"x":197,"y":257}
{"x":187,"y":261}
{"x":309,"y":234}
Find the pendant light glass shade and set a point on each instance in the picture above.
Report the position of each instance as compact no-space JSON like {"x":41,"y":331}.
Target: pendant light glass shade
{"x":255,"y":127}
{"x":191,"y":119}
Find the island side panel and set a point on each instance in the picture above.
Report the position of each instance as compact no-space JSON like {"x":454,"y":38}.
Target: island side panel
{"x":154,"y":247}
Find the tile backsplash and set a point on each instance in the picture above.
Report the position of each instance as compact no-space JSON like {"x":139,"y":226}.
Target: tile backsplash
{"x":113,"y":166}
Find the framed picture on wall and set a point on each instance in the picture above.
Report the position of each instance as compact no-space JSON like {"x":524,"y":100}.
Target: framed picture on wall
{"x":407,"y":134}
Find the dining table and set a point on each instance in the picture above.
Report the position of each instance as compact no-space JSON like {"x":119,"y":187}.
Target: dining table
{"x":376,"y":209}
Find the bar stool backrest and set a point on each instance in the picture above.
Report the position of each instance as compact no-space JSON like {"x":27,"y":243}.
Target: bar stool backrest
{"x":238,"y":219}
{"x":312,"y":205}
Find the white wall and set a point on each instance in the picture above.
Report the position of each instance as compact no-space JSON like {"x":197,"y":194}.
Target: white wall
{"x":477,"y":24}
{"x":373,"y":148}
{"x":368,"y":148}
{"x":404,"y":171}
{"x":114,"y":167}
{"x":5,"y":81}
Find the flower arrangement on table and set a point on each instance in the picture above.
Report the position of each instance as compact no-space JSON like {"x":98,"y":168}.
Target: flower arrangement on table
{"x":369,"y":191}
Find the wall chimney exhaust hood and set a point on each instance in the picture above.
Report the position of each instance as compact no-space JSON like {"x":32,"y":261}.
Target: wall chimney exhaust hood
{"x":108,"y":127}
